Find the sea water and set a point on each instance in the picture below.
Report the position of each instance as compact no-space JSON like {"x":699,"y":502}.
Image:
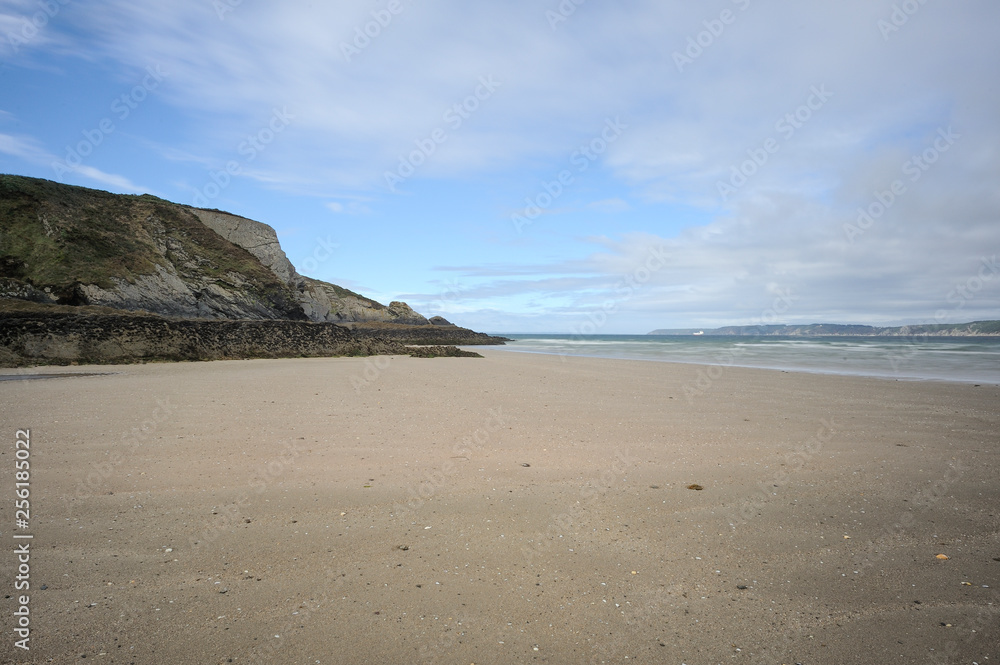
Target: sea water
{"x":966,"y":359}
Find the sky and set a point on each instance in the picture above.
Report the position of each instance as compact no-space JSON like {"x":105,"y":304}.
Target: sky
{"x":547,"y":166}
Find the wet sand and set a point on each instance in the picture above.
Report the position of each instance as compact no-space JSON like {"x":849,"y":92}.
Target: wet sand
{"x":516,"y":508}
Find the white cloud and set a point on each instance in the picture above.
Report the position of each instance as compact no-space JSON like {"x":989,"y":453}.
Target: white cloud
{"x":27,"y":26}
{"x":687,"y":130}
{"x":353,"y":120}
{"x":23,"y":147}
{"x":732,"y":271}
{"x":110,"y":179}
{"x":348,"y":207}
{"x":29,"y":150}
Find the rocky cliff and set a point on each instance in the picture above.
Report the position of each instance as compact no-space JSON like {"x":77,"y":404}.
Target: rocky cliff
{"x":77,"y":246}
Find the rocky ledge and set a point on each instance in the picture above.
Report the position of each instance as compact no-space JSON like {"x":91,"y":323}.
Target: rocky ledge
{"x":71,"y":336}
{"x":425,"y":334}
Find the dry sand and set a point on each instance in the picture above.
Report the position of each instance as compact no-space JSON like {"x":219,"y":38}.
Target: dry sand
{"x":515,"y":509}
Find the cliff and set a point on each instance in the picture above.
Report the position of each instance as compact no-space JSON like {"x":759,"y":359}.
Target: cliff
{"x":92,"y":277}
{"x":77,"y":246}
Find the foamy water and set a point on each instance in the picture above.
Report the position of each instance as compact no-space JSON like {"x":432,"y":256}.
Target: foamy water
{"x":967,"y":359}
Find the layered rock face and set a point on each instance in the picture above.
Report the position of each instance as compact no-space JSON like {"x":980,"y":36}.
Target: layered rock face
{"x":328,"y":302}
{"x":78,"y":246}
{"x":92,"y":277}
{"x":257,"y":238}
{"x":171,"y":293}
{"x":319,"y":300}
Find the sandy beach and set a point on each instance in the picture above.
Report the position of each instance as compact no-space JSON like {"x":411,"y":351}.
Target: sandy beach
{"x":516,"y":508}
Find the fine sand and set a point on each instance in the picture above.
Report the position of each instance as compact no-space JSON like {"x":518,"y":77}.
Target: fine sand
{"x":512,"y":509}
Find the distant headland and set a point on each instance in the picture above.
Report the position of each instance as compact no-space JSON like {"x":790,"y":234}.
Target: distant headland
{"x":973,"y":329}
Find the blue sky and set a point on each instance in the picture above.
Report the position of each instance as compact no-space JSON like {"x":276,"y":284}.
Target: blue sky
{"x":549,"y":166}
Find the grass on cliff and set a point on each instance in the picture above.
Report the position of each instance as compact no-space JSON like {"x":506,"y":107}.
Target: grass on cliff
{"x":57,"y":235}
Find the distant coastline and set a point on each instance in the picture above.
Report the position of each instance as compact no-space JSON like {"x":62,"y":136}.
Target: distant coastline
{"x":974,"y":359}
{"x":973,"y":329}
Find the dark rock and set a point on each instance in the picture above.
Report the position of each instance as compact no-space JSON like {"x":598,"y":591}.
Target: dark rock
{"x":427,"y":334}
{"x":64,"y":336}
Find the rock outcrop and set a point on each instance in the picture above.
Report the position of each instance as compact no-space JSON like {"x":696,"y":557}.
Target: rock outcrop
{"x":319,"y":300}
{"x":169,"y":293}
{"x":92,"y":277}
{"x":257,"y":238}
{"x":78,"y":246}
{"x":424,"y":334}
{"x":328,"y":302}
{"x":68,"y":335}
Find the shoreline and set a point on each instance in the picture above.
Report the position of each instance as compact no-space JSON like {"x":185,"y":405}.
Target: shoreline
{"x":506,"y":509}
{"x":798,"y":370}
{"x":7,"y":373}
{"x":898,"y":360}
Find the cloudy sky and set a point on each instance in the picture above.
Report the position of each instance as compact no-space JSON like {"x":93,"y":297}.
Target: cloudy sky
{"x":531,"y":166}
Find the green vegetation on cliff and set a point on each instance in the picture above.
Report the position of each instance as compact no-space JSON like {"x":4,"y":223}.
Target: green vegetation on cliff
{"x":90,"y":276}
{"x":57,"y":237}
